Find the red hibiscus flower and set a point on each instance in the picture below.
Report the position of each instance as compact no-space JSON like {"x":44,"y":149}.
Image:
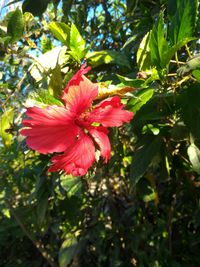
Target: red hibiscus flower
{"x":76,"y":128}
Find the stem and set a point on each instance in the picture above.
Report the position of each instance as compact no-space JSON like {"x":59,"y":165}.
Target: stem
{"x":188,"y":50}
{"x":172,"y":74}
{"x":183,"y":80}
{"x":177,"y":62}
{"x":37,"y":244}
{"x":176,"y":58}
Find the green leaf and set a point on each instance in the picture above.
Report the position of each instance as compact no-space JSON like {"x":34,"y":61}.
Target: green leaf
{"x":71,"y":37}
{"x":71,"y":184}
{"x":196,"y":74}
{"x":130,"y":41}
{"x":61,"y":31}
{"x":5,"y":40}
{"x":143,"y":54}
{"x":3,"y":31}
{"x":140,"y":98}
{"x":15,"y":27}
{"x":67,"y":251}
{"x":55,"y":84}
{"x":28,"y":18}
{"x":194,"y":156}
{"x":42,"y":98}
{"x":182,"y":16}
{"x":42,"y":206}
{"x":131,"y":82}
{"x":6,"y":121}
{"x":190,"y":110}
{"x":46,"y":43}
{"x":158,"y":44}
{"x":77,"y":43}
{"x":102,"y":57}
{"x":157,"y":109}
{"x":150,"y":128}
{"x":147,"y":148}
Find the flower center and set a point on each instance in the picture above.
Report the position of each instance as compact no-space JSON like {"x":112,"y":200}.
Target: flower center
{"x":82,"y":120}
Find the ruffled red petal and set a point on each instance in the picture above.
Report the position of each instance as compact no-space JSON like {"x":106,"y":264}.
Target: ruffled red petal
{"x":79,"y":98}
{"x":100,"y":135}
{"x":48,"y":130}
{"x":78,"y":77}
{"x":110,"y":113}
{"x":77,"y":159}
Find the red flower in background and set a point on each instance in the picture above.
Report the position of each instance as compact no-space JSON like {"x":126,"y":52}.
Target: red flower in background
{"x":73,"y":129}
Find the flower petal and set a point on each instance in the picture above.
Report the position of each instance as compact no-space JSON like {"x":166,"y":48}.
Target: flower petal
{"x":77,"y":159}
{"x":110,"y":113}
{"x":100,"y":135}
{"x":80,"y":97}
{"x":78,"y":77}
{"x":50,"y":129}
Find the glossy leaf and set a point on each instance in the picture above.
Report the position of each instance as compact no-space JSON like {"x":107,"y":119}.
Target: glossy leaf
{"x":194,"y":156}
{"x":158,"y":44}
{"x":147,"y":148}
{"x":42,"y":98}
{"x":183,"y":16}
{"x":71,"y":184}
{"x":61,"y":31}
{"x":77,"y":44}
{"x":143,"y":54}
{"x":196,"y":74}
{"x":15,"y":27}
{"x":55,"y":85}
{"x":42,"y":207}
{"x":67,"y":251}
{"x":131,"y":82}
{"x":98,"y":58}
{"x":140,"y":98}
{"x":46,"y":44}
{"x":190,"y":110}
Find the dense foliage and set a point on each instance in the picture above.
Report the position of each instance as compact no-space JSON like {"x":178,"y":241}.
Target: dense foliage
{"x":143,"y":207}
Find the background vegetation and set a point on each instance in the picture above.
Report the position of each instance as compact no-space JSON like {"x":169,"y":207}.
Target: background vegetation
{"x":143,"y":207}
